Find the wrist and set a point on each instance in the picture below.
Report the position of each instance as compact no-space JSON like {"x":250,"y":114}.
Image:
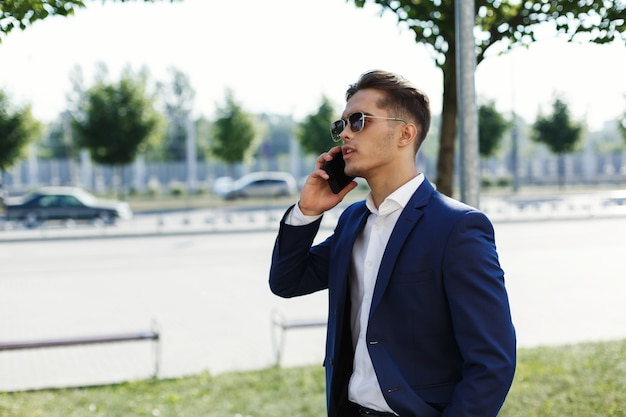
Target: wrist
{"x":308,"y":212}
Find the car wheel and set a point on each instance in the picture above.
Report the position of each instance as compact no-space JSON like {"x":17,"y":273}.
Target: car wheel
{"x":105,"y":218}
{"x":31,"y":219}
{"x":69,"y":223}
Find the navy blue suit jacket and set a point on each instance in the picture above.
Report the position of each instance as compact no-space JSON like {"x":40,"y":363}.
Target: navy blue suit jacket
{"x":440,"y":333}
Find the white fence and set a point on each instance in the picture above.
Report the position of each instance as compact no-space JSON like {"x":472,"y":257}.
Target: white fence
{"x":142,"y":176}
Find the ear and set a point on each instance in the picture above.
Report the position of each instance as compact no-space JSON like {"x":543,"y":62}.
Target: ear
{"x":409,"y":135}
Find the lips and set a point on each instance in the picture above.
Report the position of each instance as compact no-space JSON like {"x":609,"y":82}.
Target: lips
{"x":347,"y":152}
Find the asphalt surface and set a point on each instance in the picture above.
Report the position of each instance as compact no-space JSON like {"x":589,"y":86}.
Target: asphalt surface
{"x":202,"y":275}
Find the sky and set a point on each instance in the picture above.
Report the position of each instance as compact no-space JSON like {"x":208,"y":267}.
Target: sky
{"x":282,"y":56}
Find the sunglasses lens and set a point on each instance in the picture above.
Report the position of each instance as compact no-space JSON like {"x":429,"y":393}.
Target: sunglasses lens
{"x":356,"y":121}
{"x":335,"y":130}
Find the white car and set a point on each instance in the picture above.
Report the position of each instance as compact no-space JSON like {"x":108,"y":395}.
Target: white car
{"x":222,"y":185}
{"x":263,"y":184}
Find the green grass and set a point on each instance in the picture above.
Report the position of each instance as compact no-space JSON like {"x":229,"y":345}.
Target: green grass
{"x":582,"y":380}
{"x":270,"y":392}
{"x":579,"y":380}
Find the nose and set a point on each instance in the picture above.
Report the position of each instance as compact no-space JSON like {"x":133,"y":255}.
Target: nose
{"x":346,"y":133}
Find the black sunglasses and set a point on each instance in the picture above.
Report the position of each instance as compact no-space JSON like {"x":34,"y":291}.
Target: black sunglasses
{"x":356,"y":121}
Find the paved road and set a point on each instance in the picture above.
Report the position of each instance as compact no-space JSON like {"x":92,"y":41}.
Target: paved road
{"x":209,"y":293}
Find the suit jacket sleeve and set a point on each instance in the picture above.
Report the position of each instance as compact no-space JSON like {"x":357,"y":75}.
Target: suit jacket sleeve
{"x":297,"y":268}
{"x":479,"y":309}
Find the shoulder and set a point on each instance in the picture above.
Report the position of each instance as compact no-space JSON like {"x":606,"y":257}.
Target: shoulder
{"x":449,"y":210}
{"x":451,"y":204}
{"x":353,"y":211}
{"x":355,"y":208}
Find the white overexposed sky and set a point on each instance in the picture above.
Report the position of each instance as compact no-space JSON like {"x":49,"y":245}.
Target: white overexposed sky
{"x":281,"y":56}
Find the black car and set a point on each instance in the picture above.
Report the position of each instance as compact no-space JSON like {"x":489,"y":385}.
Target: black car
{"x":64,"y":203}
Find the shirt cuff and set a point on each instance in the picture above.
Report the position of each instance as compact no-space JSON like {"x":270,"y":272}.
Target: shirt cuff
{"x":296,"y":218}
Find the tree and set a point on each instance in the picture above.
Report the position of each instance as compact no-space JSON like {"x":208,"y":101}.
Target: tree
{"x":58,"y":143}
{"x":491,"y":128}
{"x":203,"y":126}
{"x":314,"y":132}
{"x":502,"y":22}
{"x":179,"y":97}
{"x":18,"y":128}
{"x":559,"y":133}
{"x":23,"y":13}
{"x":233,"y":132}
{"x":118,"y":119}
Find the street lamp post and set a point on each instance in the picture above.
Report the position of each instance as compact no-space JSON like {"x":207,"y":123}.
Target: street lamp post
{"x":466,"y":96}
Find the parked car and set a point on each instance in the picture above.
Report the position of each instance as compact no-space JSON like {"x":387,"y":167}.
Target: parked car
{"x":263,"y":184}
{"x":64,"y":203}
{"x":222,"y":185}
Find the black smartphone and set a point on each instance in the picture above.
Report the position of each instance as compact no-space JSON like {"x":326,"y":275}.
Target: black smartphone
{"x":335,"y":169}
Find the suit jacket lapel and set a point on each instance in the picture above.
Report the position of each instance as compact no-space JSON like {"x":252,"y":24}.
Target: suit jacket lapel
{"x":340,"y":336}
{"x":409,"y":217}
{"x":354,"y":224}
{"x":353,"y":227}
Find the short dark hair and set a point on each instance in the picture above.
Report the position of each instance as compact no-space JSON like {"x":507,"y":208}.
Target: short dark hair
{"x":402,"y":97}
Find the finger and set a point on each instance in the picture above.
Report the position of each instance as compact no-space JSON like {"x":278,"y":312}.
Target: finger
{"x":347,"y":189}
{"x":323,"y":158}
{"x":334,"y":150}
{"x":320,"y":173}
{"x":327,"y":156}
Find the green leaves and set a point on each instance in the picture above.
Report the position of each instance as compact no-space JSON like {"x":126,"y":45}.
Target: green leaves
{"x":513,"y":22}
{"x":314,"y":132}
{"x":233,"y":132}
{"x":23,"y":13}
{"x":491,"y":128}
{"x":119,"y":118}
{"x":18,"y":128}
{"x":557,"y":130}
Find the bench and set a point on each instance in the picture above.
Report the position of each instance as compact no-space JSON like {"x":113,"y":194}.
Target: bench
{"x":152,"y":334}
{"x":280,"y":325}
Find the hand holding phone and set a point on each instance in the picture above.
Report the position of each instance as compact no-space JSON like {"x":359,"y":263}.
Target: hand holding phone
{"x":335,"y":169}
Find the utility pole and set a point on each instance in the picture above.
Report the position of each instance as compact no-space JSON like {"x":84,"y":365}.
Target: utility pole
{"x":466,"y":97}
{"x":514,"y":130}
{"x":191,"y":154}
{"x":515,"y":153}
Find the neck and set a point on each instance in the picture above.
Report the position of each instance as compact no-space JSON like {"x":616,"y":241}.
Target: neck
{"x":383,"y":186}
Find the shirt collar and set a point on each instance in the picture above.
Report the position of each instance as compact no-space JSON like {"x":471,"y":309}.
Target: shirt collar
{"x":396,"y":200}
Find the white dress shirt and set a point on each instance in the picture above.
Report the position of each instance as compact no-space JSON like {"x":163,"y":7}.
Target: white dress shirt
{"x":367,"y":254}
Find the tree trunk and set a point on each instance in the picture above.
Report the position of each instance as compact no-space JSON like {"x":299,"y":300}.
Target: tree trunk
{"x":445,"y":162}
{"x":118,"y":182}
{"x":561,"y":169}
{"x":2,"y":190}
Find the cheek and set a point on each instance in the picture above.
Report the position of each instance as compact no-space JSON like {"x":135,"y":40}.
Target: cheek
{"x":371,"y":153}
{"x":383,"y":148}
{"x":368,"y":158}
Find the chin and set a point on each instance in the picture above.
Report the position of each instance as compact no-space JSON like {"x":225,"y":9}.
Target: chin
{"x":351,"y":172}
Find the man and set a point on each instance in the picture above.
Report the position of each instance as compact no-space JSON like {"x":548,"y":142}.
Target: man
{"x":419,"y":322}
